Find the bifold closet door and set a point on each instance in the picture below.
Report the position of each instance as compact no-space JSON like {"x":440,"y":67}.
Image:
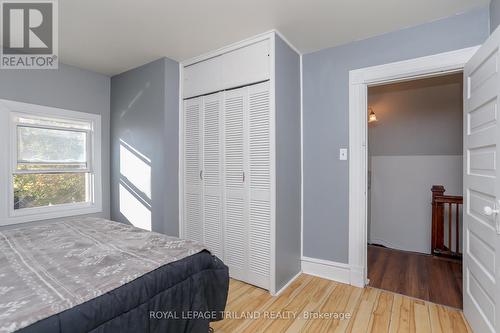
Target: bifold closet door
{"x":227,"y":179}
{"x":193,"y":213}
{"x":212,"y":173}
{"x":235,"y":195}
{"x":248,"y":184}
{"x":259,"y":165}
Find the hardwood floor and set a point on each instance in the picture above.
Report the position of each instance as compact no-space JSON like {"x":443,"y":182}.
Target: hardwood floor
{"x":417,"y":275}
{"x":365,"y":310}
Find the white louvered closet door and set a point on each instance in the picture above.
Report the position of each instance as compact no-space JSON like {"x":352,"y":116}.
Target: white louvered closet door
{"x":235,"y":210}
{"x":212,"y":173}
{"x":259,"y":166}
{"x":193,"y":213}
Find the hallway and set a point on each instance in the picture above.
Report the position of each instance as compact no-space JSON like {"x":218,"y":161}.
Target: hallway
{"x":429,"y":278}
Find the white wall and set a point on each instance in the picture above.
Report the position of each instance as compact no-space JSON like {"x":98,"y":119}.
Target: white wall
{"x":401,"y":197}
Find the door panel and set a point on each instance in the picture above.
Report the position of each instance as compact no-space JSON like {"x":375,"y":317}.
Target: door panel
{"x":227,"y":197}
{"x":259,"y":147}
{"x":212,"y":173}
{"x":193,"y":215}
{"x":481,"y":188}
{"x":235,"y":226}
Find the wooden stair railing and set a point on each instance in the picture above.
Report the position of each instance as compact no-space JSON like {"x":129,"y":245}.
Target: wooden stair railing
{"x":442,"y":245}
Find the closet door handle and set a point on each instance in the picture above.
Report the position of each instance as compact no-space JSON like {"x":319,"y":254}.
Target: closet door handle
{"x":243,"y":176}
{"x":201,"y":174}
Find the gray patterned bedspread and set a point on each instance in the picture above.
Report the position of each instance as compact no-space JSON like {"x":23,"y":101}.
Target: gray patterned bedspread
{"x":50,"y":268}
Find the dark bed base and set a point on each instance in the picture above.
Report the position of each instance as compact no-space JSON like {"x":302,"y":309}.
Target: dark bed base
{"x":183,"y":296}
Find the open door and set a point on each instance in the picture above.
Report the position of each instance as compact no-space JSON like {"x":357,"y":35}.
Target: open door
{"x":481,"y":253}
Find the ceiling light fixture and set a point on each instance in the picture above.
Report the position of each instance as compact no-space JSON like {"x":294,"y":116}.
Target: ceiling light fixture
{"x":372,"y":117}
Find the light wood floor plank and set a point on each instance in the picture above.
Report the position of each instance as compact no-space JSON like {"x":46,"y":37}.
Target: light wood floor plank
{"x":381,"y":316}
{"x":400,"y":315}
{"x":370,"y":310}
{"x":458,"y":323}
{"x":313,"y":306}
{"x":337,"y":302}
{"x":276,"y":306}
{"x":440,"y":320}
{"x":364,"y":310}
{"x":422,"y":319}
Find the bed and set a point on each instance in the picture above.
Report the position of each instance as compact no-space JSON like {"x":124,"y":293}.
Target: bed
{"x":95,"y":275}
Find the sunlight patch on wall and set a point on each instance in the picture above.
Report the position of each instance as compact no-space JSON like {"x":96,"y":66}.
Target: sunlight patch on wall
{"x":136,"y":168}
{"x":135,"y":186}
{"x":134,"y":210}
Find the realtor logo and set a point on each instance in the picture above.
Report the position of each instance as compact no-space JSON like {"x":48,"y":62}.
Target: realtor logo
{"x":29,"y":34}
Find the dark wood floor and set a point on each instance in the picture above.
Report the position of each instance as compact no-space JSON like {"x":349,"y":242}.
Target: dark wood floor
{"x":417,"y":275}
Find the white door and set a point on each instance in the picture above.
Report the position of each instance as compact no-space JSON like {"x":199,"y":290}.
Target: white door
{"x":259,"y":181}
{"x":212,"y":173}
{"x":235,"y":208}
{"x":193,"y":213}
{"x":481,"y":255}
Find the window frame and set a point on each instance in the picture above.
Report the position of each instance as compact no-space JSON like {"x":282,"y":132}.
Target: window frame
{"x":10,"y":215}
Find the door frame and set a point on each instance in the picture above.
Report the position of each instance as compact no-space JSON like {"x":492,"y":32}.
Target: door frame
{"x":359,"y":81}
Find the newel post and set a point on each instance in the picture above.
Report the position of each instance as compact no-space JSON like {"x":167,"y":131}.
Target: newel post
{"x":437,"y":212}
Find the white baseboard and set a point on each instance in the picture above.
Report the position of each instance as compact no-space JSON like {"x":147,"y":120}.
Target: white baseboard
{"x":287,"y":284}
{"x":326,"y":269}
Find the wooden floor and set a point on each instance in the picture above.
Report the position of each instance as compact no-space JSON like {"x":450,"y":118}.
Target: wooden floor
{"x":417,"y":275}
{"x":251,"y":309}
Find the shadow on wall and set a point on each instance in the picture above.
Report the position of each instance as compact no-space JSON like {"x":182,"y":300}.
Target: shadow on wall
{"x":135,"y":187}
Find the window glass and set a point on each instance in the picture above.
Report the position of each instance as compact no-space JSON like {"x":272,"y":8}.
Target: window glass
{"x":38,"y":190}
{"x":42,"y":148}
{"x":42,"y":121}
{"x":52,"y":162}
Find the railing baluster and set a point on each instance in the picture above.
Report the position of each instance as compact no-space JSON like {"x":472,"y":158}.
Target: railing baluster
{"x":450,"y":226}
{"x":439,"y":203}
{"x":457,"y":232}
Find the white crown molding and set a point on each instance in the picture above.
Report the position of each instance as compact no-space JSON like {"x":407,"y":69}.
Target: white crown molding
{"x":238,"y":45}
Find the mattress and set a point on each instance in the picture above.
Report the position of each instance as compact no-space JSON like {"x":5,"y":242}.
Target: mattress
{"x":94,"y":275}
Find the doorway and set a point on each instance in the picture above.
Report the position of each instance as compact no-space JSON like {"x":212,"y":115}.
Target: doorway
{"x":360,"y":80}
{"x":415,"y":136}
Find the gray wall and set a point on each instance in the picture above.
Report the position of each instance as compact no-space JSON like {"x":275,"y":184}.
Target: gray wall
{"x":171,"y":148}
{"x":67,"y":88}
{"x":144,"y":114}
{"x":494,"y":14}
{"x":325,"y":118}
{"x":420,"y":117}
{"x":288,"y":166}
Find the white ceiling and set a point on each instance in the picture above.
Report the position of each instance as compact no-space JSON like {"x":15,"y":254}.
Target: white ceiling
{"x":111,"y":36}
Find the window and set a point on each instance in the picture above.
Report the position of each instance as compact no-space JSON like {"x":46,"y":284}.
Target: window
{"x":54,"y":168}
{"x":52,"y":164}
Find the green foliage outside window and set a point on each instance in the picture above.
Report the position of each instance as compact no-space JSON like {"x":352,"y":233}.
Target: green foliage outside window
{"x":38,"y":190}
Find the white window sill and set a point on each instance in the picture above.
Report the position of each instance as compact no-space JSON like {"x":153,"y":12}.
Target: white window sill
{"x":46,"y":213}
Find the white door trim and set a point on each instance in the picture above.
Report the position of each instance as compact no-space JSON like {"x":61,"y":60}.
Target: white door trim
{"x":359,"y":80}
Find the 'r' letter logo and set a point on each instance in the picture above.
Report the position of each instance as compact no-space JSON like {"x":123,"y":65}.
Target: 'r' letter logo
{"x":27,"y":28}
